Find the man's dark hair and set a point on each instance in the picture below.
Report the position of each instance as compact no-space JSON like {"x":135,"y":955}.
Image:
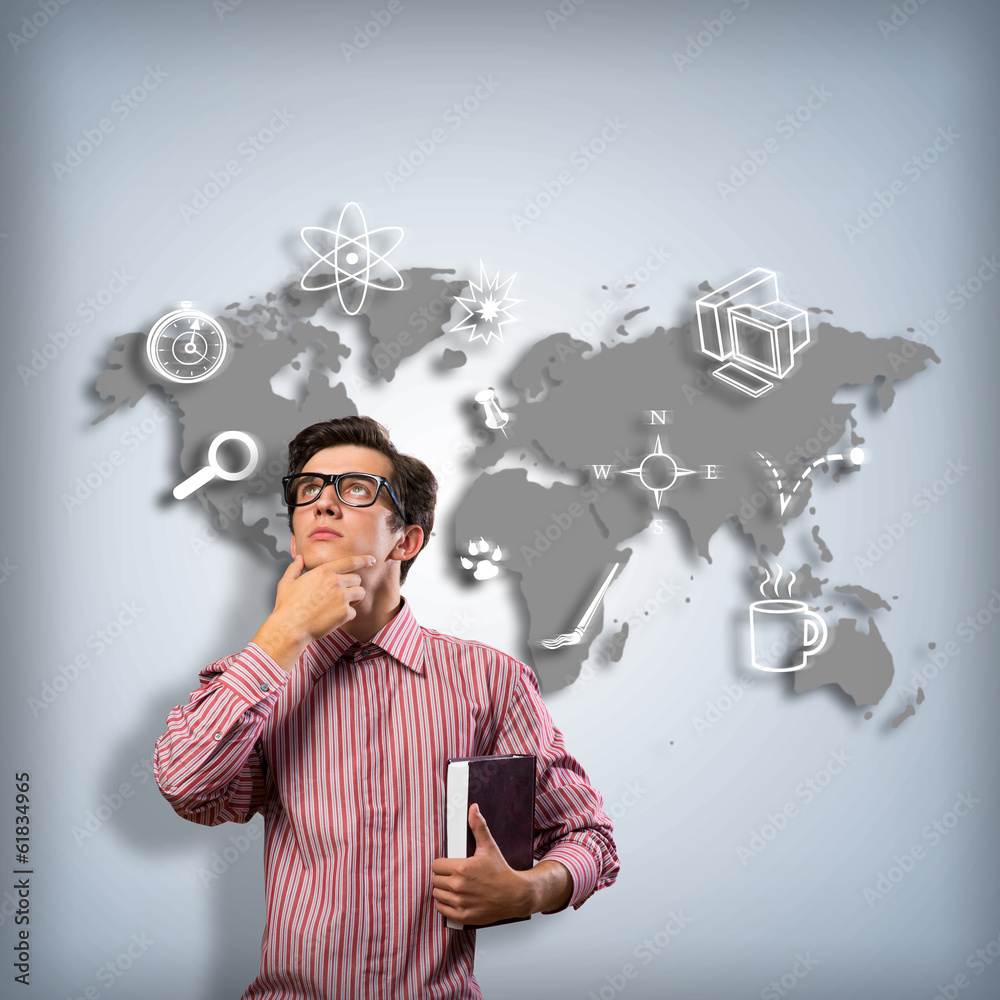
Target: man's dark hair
{"x":412,"y":480}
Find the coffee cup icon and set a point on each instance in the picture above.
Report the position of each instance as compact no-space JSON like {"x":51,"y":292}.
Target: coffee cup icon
{"x":784,"y":634}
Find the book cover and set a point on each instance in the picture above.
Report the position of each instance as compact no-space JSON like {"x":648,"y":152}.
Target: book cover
{"x":503,"y":786}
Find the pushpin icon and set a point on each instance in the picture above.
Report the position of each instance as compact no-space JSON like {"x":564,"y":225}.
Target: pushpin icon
{"x":496,"y":419}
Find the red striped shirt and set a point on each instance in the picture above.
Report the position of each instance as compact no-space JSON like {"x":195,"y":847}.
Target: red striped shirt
{"x":346,"y":759}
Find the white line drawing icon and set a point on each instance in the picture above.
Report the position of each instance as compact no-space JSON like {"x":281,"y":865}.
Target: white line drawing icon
{"x":746,"y":325}
{"x":209,"y":472}
{"x":485,"y":565}
{"x":487,"y":308}
{"x":186,"y":346}
{"x":352,"y":257}
{"x":662,"y":474}
{"x":576,"y":636}
{"x":784,"y":632}
{"x":855,"y":456}
{"x":496,"y":419}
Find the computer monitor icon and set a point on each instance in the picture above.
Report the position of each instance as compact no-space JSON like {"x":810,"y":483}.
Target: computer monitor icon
{"x":746,"y":325}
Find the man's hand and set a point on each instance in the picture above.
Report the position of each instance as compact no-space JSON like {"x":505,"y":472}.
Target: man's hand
{"x":483,"y":888}
{"x":311,"y":605}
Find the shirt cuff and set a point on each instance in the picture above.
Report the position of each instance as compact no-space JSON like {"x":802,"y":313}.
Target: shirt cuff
{"x":582,"y":868}
{"x":253,"y":676}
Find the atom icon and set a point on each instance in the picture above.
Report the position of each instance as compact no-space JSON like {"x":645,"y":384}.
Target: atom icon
{"x":486,"y":309}
{"x":663,"y":470}
{"x":351,"y":258}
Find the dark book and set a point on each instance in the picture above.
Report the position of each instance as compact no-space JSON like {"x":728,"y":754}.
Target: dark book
{"x":503,"y":786}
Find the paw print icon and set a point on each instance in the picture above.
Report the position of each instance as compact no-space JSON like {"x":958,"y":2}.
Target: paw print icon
{"x":484,"y":559}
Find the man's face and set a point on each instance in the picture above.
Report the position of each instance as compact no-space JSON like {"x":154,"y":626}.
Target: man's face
{"x":330,"y":529}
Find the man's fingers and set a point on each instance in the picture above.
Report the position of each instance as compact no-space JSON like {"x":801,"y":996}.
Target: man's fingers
{"x":350,"y":564}
{"x":445,"y":898}
{"x":354,"y":594}
{"x":294,"y":568}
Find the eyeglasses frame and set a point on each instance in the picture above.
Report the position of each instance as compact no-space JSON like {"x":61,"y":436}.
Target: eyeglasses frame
{"x":335,"y":480}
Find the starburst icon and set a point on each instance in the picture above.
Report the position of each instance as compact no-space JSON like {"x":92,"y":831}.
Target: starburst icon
{"x":659,"y":472}
{"x":486,"y":309}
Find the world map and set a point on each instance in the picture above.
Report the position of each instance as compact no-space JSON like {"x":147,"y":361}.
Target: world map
{"x":558,"y":541}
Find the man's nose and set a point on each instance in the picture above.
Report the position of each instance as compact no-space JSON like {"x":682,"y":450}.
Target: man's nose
{"x":328,"y":499}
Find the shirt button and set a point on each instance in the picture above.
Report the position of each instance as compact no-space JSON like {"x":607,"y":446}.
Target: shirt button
{"x":264,"y":686}
{"x":218,"y":736}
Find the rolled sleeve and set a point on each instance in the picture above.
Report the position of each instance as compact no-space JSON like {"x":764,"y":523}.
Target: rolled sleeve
{"x":582,"y":869}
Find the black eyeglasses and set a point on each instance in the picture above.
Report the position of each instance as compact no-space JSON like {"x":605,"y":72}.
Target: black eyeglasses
{"x":356,"y":489}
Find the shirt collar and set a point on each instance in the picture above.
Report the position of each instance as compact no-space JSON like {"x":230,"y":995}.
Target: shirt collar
{"x":401,"y":637}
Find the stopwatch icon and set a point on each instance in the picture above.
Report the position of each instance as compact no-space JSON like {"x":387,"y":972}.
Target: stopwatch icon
{"x":186,"y":346}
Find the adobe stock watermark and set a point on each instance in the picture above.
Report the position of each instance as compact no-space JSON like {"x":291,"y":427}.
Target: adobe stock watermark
{"x":266,"y":478}
{"x":933,"y":834}
{"x":977,"y":962}
{"x":46,"y":351}
{"x":580,"y":160}
{"x":455,"y":116}
{"x":97,"y":642}
{"x":248,"y":150}
{"x":697,"y":388}
{"x":608,"y":651}
{"x":706,"y":36}
{"x":221,"y":861}
{"x":30,"y":26}
{"x":621,"y":289}
{"x":110,"y":973}
{"x":223,"y":8}
{"x":787,"y":128}
{"x":462,"y":450}
{"x":925,"y":330}
{"x":634,"y":791}
{"x":805,"y":793}
{"x":899,"y":15}
{"x":815,"y":444}
{"x":104,"y":468}
{"x":913,"y":168}
{"x":922,"y":502}
{"x":732,"y":694}
{"x":560,"y":522}
{"x":787,"y":981}
{"x":121,"y":108}
{"x":562,"y":13}
{"x":940,"y":657}
{"x":648,"y":949}
{"x":112,"y":803}
{"x":365,"y":34}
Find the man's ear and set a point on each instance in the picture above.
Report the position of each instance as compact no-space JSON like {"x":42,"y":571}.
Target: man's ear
{"x":409,"y":543}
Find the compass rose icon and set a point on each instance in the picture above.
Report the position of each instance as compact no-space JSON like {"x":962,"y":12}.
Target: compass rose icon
{"x":658,"y":472}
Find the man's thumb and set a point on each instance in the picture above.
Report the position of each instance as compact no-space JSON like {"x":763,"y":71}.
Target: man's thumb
{"x":480,"y":830}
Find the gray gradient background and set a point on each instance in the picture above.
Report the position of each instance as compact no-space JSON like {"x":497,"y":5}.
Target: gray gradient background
{"x":702,"y":795}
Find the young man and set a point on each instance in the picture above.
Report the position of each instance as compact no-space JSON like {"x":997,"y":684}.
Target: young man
{"x":336,"y":723}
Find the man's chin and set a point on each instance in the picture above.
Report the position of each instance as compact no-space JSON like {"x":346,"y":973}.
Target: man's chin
{"x":320,"y":551}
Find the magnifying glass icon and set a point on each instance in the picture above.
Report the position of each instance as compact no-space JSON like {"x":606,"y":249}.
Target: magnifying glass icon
{"x":209,"y":472}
